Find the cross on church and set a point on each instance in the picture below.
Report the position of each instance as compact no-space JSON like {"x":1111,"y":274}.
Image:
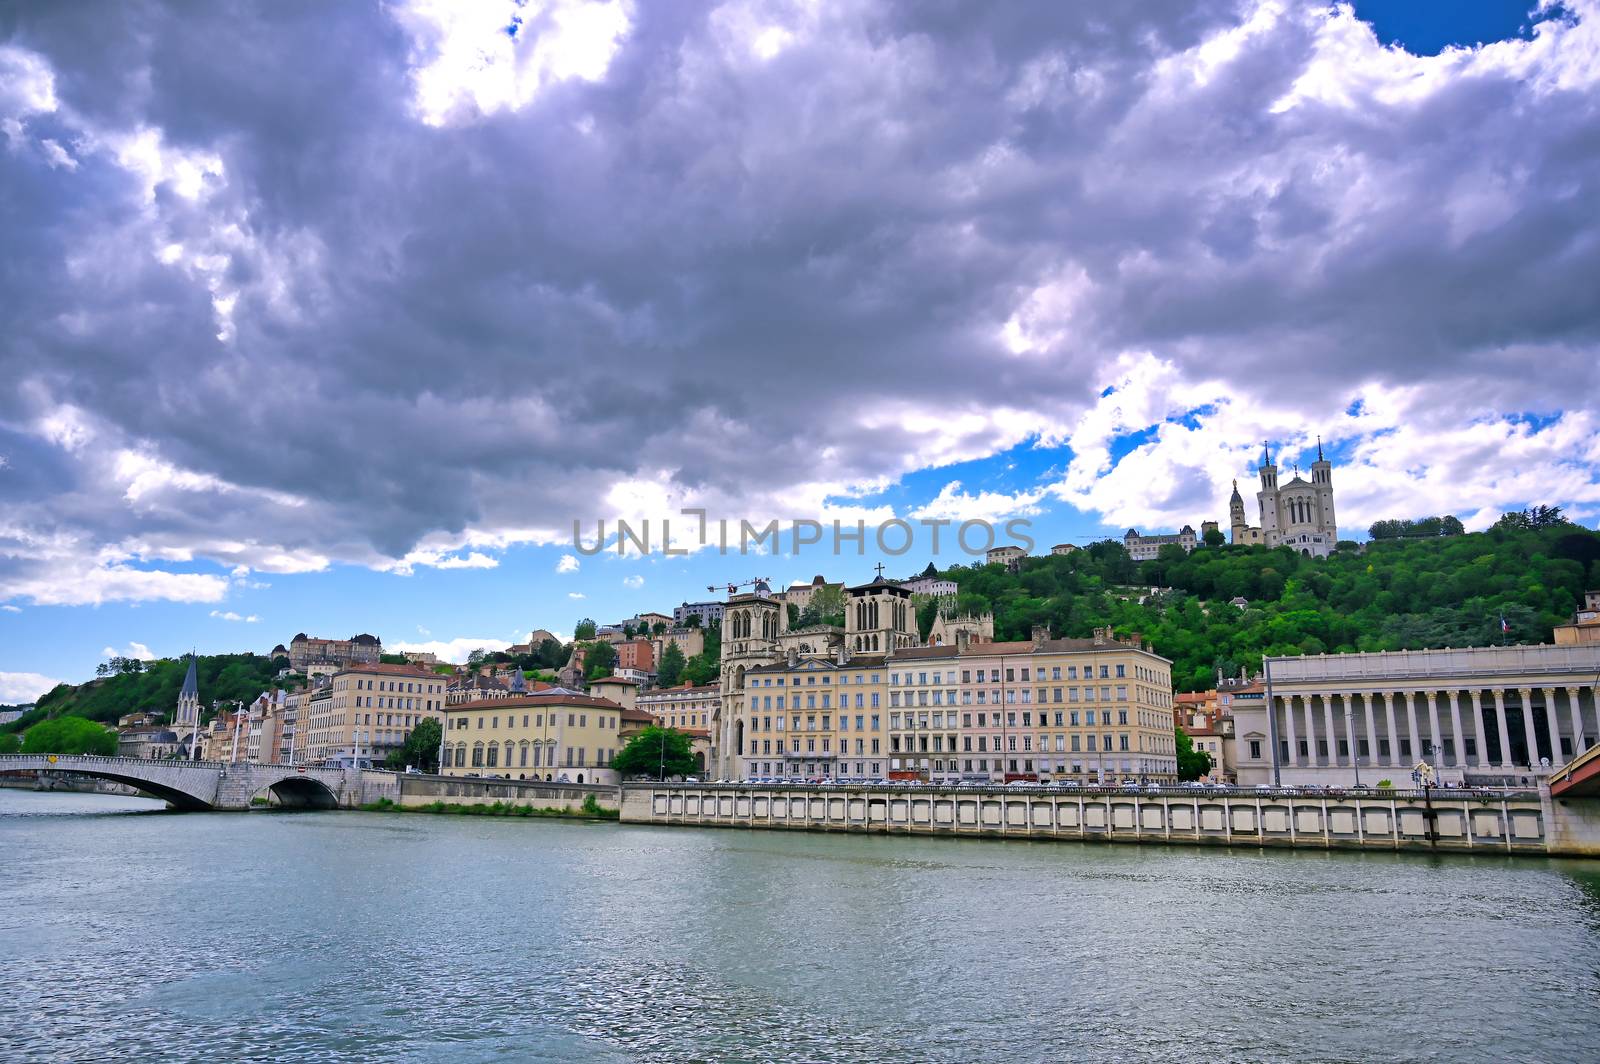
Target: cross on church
{"x":879,"y":567}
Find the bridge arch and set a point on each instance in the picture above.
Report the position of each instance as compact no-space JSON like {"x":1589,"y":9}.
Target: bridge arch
{"x":300,"y":792}
{"x":107,"y":769}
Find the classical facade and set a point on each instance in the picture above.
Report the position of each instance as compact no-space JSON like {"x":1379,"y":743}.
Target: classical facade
{"x":556,"y":735}
{"x":371,"y":710}
{"x":1486,"y":715}
{"x":1298,"y":514}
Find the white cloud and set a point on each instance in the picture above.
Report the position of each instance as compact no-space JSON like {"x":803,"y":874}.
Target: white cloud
{"x":135,"y":650}
{"x":20,"y":687}
{"x":488,"y":57}
{"x":567,"y":564}
{"x":576,"y":595}
{"x":229,"y":615}
{"x":451,"y":650}
{"x":954,"y":504}
{"x":635,"y":581}
{"x":10,"y":608}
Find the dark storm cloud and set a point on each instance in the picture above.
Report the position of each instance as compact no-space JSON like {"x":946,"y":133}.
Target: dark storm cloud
{"x":716,"y":266}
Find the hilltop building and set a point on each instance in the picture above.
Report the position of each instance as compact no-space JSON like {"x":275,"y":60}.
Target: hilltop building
{"x":1585,"y":626}
{"x":1144,"y":548}
{"x":360,"y":649}
{"x":1297,"y":514}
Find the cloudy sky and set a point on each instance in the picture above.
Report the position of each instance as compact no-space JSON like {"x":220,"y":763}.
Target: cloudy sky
{"x":335,"y":317}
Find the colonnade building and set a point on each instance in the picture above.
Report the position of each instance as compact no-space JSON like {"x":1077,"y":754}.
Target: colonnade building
{"x":1481,"y":715}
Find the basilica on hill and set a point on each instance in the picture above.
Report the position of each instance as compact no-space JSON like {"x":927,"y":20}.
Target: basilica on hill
{"x":1298,"y":514}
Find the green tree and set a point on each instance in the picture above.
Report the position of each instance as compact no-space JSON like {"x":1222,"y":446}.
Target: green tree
{"x":393,"y":659}
{"x":1215,"y":538}
{"x":585,"y":630}
{"x":692,"y":621}
{"x":421,"y":749}
{"x":828,"y":601}
{"x":10,"y":744}
{"x":656,"y":752}
{"x":69,"y":735}
{"x":1192,"y":763}
{"x":669,"y":670}
{"x":599,"y":661}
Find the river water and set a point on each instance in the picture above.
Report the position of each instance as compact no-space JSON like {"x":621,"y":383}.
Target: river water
{"x":132,"y":934}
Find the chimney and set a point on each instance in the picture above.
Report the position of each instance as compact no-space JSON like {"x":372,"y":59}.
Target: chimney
{"x":1100,"y":636}
{"x":1040,"y":634}
{"x":1137,"y":639}
{"x":963,"y":640}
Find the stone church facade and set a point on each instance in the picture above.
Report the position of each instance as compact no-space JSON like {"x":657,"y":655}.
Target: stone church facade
{"x":1298,"y":514}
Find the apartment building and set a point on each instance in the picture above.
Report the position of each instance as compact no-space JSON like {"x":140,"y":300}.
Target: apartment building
{"x":370,"y":710}
{"x":1086,"y":709}
{"x":685,"y":706}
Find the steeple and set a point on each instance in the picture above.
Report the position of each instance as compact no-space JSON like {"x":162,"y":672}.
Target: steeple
{"x":191,"y":682}
{"x":1319,"y":449}
{"x":1266,"y":455}
{"x":1236,"y":497}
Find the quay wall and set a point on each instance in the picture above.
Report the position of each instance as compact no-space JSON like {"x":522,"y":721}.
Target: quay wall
{"x":1523,"y":822}
{"x":412,"y":791}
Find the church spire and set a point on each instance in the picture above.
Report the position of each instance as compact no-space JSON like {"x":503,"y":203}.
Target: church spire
{"x":191,"y":683}
{"x":1266,"y":455}
{"x":1319,"y":449}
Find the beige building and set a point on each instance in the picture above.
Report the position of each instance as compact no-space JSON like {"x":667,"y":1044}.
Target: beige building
{"x":690,"y":641}
{"x":1063,"y":548}
{"x":1486,"y":715}
{"x":370,"y":711}
{"x":1035,"y":709}
{"x":152,"y":741}
{"x":1006,"y":555}
{"x":1585,"y":626}
{"x":556,"y":735}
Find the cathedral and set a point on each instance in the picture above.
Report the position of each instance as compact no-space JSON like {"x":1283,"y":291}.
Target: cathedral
{"x":1298,"y":514}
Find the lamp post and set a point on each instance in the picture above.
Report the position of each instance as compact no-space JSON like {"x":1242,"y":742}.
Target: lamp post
{"x":1350,"y":730}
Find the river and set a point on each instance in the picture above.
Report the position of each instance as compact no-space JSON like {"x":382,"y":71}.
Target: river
{"x":135,"y":934}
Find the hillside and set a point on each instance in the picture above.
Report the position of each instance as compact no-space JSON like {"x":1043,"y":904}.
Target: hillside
{"x":1396,"y":594}
{"x":222,"y":677}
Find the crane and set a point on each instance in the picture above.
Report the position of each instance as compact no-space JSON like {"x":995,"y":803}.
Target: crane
{"x":733,"y":589}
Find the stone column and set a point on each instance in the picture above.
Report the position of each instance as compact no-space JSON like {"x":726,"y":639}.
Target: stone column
{"x":1575,"y":708}
{"x":1477,"y":727}
{"x":1327,"y":722}
{"x":1455,"y":725}
{"x":1288,"y":720}
{"x":1433,"y":723}
{"x":1411,"y":721}
{"x":1555,"y":729}
{"x":1311,"y":733}
{"x":1525,"y":695}
{"x":1394,"y":735}
{"x":1500,"y":720}
{"x":1372,"y":736}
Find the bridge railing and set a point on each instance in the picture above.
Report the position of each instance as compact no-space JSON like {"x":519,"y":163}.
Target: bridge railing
{"x":67,"y":760}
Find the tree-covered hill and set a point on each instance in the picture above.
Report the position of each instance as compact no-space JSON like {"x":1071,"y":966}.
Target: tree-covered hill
{"x":1394,"y":594}
{"x":132,"y":685}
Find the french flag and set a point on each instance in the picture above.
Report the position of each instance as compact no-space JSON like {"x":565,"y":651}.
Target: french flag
{"x":1504,"y":627}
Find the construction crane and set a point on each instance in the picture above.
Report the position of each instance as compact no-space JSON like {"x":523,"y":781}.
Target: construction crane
{"x":733,"y":589}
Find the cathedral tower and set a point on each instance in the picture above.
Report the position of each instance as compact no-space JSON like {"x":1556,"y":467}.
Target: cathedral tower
{"x":1322,"y":481}
{"x":879,"y":618}
{"x":751,"y":624}
{"x":186,"y":719}
{"x":1236,"y":518}
{"x":1267,"y":497}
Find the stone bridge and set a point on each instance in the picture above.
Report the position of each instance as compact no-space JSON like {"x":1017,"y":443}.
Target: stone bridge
{"x":206,"y":785}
